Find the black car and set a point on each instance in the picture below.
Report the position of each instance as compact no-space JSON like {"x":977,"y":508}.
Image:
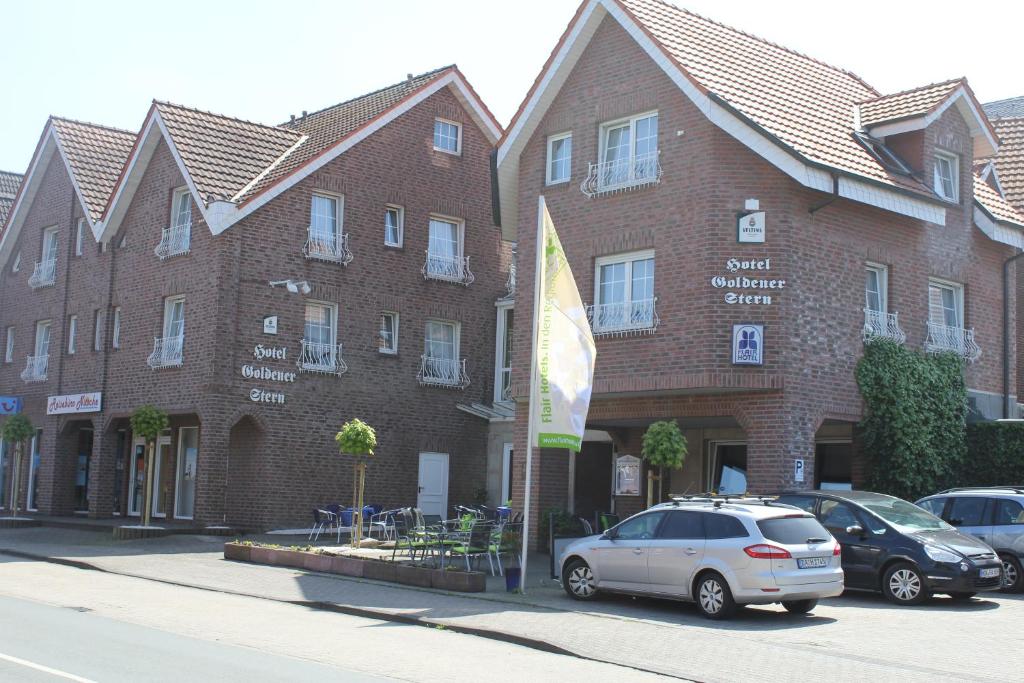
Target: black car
{"x":895,"y":547}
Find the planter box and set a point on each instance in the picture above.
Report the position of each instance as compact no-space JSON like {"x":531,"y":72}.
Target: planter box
{"x":316,"y":562}
{"x":411,"y":575}
{"x":458,"y":581}
{"x":347,"y":566}
{"x":237,"y":552}
{"x":263,"y":555}
{"x":379,"y":571}
{"x":291,"y":558}
{"x":130,"y":533}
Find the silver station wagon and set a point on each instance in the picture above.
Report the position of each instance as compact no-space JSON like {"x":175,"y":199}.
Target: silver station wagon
{"x":717,"y":552}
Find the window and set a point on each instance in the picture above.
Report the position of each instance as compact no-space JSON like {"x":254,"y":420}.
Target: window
{"x":115,"y":338}
{"x":717,"y":526}
{"x":441,"y":341}
{"x":682,"y":525}
{"x":945,"y":304}
{"x":9,"y":352}
{"x":394,"y":220}
{"x":168,"y":350}
{"x":559,"y":166}
{"x":947,"y":176}
{"x":440,"y":364}
{"x":625,"y":293}
{"x":641,"y":527}
{"x":503,"y":354}
{"x":447,"y":136}
{"x":875,"y":286}
{"x":882,"y":153}
{"x":629,"y":150}
{"x":388,"y":332}
{"x":836,"y":516}
{"x":45,"y":272}
{"x":79,"y":236}
{"x":805,"y":503}
{"x":320,"y":351}
{"x":444,"y":252}
{"x":325,"y":241}
{"x":797,"y":530}
{"x":181,"y":208}
{"x":1008,"y":512}
{"x":43,"y":338}
{"x":967,"y":511}
{"x":177,"y":238}
{"x":934,"y":506}
{"x":49,"y":245}
{"x":97,"y":330}
{"x":72,"y":333}
{"x":17,"y":263}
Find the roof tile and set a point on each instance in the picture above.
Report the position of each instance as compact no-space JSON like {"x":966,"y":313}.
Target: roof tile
{"x":96,"y":155}
{"x":995,"y":203}
{"x":1009,"y":160}
{"x":907,"y":104}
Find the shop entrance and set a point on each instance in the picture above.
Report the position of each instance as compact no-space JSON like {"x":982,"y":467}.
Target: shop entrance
{"x":83,"y":456}
{"x":727,"y":467}
{"x":833,"y":465}
{"x":185,"y":484}
{"x":137,"y":477}
{"x":592,"y":483}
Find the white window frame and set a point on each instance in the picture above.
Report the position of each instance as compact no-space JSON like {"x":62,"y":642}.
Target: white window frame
{"x":500,"y":362}
{"x":72,"y":334}
{"x":393,"y":348}
{"x":460,"y":229}
{"x":169,"y":303}
{"x":882,"y":271}
{"x":617,"y":123}
{"x":458,"y":136}
{"x":625,"y":257}
{"x":552,"y":139}
{"x":115,"y":339}
{"x":958,"y":300}
{"x":48,"y":235}
{"x":178,"y":193}
{"x":79,"y":236}
{"x":400,"y":211}
{"x":332,"y":342}
{"x":456,"y":336}
{"x":954,"y":168}
{"x":17,"y":263}
{"x":9,"y":350}
{"x":40,"y":326}
{"x":97,"y":329}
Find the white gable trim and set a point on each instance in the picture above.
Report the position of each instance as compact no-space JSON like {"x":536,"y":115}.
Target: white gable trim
{"x":984,"y":142}
{"x":807,"y":174}
{"x":262,"y":174}
{"x":996,"y":231}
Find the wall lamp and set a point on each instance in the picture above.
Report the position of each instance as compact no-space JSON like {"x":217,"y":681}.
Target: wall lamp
{"x":292,"y":286}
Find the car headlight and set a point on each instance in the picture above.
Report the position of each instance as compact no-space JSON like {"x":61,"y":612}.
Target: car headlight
{"x":941,"y":554}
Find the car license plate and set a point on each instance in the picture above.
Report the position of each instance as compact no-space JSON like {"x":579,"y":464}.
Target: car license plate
{"x":990,"y":573}
{"x":811,"y":562}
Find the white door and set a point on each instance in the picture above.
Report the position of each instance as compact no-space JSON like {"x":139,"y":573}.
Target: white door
{"x":433,"y":484}
{"x":188,"y":451}
{"x":137,"y":477}
{"x":506,"y":474}
{"x":163,"y":454}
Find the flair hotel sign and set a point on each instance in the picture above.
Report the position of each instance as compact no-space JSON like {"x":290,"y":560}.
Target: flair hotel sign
{"x":74,"y":403}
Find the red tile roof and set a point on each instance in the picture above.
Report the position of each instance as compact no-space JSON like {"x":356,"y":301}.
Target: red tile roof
{"x":9,"y":183}
{"x":995,"y":204}
{"x":95,"y":154}
{"x":907,"y":104}
{"x":1009,"y":161}
{"x":1010,"y":108}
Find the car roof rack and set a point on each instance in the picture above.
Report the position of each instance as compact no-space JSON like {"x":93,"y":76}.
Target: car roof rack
{"x":1014,"y":489}
{"x":718,"y":500}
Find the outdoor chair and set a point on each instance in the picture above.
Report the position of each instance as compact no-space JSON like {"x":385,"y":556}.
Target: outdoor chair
{"x":588,"y":528}
{"x":335,"y":509}
{"x":606,"y":520}
{"x":322,"y":519}
{"x":384,"y":523}
{"x":508,"y":540}
{"x":410,"y":537}
{"x":475,"y":544}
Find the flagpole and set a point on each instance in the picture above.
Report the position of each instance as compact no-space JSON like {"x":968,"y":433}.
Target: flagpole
{"x":531,"y":437}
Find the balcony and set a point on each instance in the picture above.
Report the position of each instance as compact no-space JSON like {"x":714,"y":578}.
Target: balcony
{"x":324,"y":359}
{"x":44,"y":274}
{"x":324,"y":246}
{"x":447,"y":268}
{"x":443,"y":372}
{"x":506,"y":384}
{"x":622,"y":175}
{"x":878,"y":324}
{"x":945,"y":338}
{"x":166,"y":352}
{"x":35,"y":369}
{"x":510,"y":283}
{"x":174,"y":241}
{"x":624,"y":318}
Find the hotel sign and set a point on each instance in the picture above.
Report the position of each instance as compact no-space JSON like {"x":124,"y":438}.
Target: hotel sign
{"x":750,"y":227}
{"x":748,"y":344}
{"x":759,"y":279}
{"x":261,"y":352}
{"x":74,"y":403}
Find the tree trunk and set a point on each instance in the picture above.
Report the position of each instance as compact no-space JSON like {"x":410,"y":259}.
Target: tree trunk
{"x":650,"y":486}
{"x":16,"y":483}
{"x":147,"y":504}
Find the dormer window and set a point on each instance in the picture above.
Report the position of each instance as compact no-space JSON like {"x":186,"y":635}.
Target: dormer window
{"x":947,"y":176}
{"x":885,"y":156}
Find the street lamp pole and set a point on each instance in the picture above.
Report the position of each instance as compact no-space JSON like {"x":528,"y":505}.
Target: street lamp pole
{"x":1007,"y":332}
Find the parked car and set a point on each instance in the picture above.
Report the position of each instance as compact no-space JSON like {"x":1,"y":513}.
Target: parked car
{"x":895,"y":547}
{"x":995,"y":515}
{"x":718,"y":553}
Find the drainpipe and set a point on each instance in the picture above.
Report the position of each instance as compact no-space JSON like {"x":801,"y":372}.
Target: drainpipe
{"x":1007,"y":332}
{"x":835,"y":195}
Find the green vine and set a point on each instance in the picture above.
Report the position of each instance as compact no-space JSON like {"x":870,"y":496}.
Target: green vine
{"x":915,"y":429}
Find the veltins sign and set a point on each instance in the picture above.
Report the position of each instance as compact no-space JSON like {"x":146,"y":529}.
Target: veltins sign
{"x":748,"y":344}
{"x":74,"y":403}
{"x":9,"y":405}
{"x":750,"y":227}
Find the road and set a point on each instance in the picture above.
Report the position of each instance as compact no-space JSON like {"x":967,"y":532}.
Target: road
{"x":59,"y":623}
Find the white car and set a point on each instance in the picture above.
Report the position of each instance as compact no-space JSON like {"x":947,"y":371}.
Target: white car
{"x":716,"y":552}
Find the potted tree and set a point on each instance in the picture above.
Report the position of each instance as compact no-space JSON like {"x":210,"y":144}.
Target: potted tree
{"x":663,"y":446}
{"x":148,"y":422}
{"x":17,"y":430}
{"x":357,"y":439}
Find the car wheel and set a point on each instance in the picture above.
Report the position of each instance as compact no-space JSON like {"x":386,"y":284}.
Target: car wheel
{"x":962,"y":596}
{"x":579,"y":581}
{"x":799,"y":606}
{"x":1013,"y":576}
{"x":714,"y":599}
{"x":904,"y":585}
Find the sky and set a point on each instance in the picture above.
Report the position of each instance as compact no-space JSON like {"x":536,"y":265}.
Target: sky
{"x":104,"y":61}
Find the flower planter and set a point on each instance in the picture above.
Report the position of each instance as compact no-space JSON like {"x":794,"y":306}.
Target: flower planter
{"x":295,"y":559}
{"x":262,"y":555}
{"x":347,"y":566}
{"x":379,"y":570}
{"x":237,"y":552}
{"x":458,"y":581}
{"x":315,"y":562}
{"x":411,"y":575}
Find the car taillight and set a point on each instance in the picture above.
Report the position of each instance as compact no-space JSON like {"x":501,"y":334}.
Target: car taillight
{"x":763,"y":551}
{"x":837,"y":550}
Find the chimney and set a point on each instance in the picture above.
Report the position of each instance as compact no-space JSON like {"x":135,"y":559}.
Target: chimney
{"x":293,"y":118}
{"x":408,"y":79}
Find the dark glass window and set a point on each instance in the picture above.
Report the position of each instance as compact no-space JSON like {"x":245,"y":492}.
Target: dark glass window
{"x":1008,"y":512}
{"x":805,"y":503}
{"x":681,"y":525}
{"x":837,"y":516}
{"x":723,"y":526}
{"x":640,"y":527}
{"x":967,"y":511}
{"x":792,"y":530}
{"x":934,"y":506}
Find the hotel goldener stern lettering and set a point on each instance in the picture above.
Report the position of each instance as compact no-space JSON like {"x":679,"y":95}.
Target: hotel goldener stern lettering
{"x":759,"y":269}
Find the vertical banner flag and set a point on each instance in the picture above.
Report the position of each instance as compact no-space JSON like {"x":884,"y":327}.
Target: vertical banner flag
{"x":565,"y":351}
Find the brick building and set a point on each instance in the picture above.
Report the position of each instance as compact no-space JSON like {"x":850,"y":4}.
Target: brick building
{"x":740,"y":218}
{"x":262,"y":284}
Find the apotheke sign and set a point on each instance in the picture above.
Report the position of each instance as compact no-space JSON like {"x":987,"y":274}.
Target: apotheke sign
{"x":760,"y":280}
{"x":74,"y":403}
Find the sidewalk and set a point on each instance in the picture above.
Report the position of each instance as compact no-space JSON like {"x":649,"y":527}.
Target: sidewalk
{"x":848,"y":638}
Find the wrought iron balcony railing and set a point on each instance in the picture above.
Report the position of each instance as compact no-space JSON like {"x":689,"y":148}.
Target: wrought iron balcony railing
{"x":878,"y":324}
{"x":622,"y":174}
{"x":324,"y":359}
{"x":506,"y":384}
{"x":623,"y":318}
{"x":44,"y":274}
{"x":167,"y":352}
{"x":510,"y":283}
{"x":35,"y":368}
{"x":953,"y":339}
{"x":325,"y":246}
{"x":174,"y":240}
{"x":443,"y":372}
{"x":447,"y":268}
